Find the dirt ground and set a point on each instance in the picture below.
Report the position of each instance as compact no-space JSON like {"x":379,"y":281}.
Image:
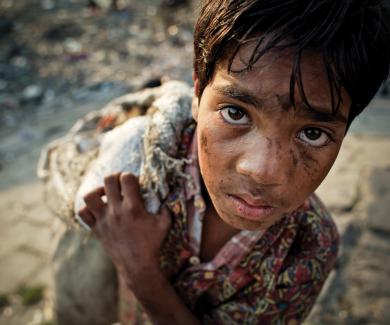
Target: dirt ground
{"x":61,"y":59}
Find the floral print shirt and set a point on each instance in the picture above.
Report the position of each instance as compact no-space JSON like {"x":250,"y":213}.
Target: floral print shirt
{"x":258,"y":277}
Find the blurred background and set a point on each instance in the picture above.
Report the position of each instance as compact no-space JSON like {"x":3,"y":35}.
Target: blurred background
{"x":60,"y":59}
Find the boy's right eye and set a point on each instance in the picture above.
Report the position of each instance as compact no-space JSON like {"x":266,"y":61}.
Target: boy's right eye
{"x":234,"y":115}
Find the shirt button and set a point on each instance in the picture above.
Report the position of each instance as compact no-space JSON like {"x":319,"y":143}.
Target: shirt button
{"x":194,"y":260}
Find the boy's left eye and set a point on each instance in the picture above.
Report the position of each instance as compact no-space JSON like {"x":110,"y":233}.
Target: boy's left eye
{"x":234,"y":115}
{"x":314,"y":136}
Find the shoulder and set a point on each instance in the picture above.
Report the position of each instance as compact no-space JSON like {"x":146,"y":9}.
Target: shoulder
{"x":314,"y":249}
{"x":317,"y":230}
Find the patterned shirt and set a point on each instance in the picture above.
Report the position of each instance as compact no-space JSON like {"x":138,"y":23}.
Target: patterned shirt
{"x":258,"y":277}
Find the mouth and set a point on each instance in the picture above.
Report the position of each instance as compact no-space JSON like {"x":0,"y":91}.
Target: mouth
{"x":254,"y":209}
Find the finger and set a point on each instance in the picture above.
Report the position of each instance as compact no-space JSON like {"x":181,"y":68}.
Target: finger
{"x":113,"y":189}
{"x":86,"y":218}
{"x":94,"y":202}
{"x":131,"y":190}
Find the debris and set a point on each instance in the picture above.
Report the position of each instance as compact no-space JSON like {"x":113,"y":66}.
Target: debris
{"x":152,"y":83}
{"x":173,"y":3}
{"x":9,"y":111}
{"x":49,"y":95}
{"x":28,"y":134}
{"x":6,"y":26}
{"x":72,"y":46}
{"x":173,"y":30}
{"x":63,"y":31}
{"x":4,"y":301}
{"x":53,"y":130}
{"x":31,"y":295}
{"x":3,"y":84}
{"x":19,"y":61}
{"x":47,"y":4}
{"x":32,"y":94}
{"x":103,"y":86}
{"x":8,"y":311}
{"x":74,"y":57}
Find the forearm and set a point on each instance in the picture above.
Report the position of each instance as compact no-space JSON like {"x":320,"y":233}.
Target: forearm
{"x":160,"y":300}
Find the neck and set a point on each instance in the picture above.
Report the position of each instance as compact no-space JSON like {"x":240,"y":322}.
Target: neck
{"x":215,"y":234}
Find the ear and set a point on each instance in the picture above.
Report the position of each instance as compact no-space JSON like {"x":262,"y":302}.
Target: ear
{"x":195,"y":101}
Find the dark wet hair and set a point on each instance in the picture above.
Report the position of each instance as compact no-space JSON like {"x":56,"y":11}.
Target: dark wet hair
{"x":353,"y":37}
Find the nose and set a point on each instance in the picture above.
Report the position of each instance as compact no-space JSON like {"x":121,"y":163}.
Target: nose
{"x":265,"y":161}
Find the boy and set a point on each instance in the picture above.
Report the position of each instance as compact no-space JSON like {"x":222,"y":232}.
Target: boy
{"x":217,"y":221}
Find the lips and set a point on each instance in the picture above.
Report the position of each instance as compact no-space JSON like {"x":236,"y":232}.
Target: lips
{"x":253,"y":201}
{"x":248,"y":207}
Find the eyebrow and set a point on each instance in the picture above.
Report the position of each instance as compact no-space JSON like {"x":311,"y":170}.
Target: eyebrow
{"x":239,"y":94}
{"x":314,"y":112}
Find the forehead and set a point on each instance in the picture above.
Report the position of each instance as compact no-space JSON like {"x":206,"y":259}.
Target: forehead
{"x":274,"y":70}
{"x":270,"y":77}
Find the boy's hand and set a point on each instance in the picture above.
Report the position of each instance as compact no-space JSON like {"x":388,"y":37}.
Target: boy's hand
{"x":130,"y":235}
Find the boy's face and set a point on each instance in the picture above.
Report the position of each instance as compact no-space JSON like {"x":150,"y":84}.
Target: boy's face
{"x":259,"y":157}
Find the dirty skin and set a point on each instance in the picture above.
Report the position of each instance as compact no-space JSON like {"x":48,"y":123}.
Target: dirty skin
{"x":203,"y":142}
{"x":310,"y":165}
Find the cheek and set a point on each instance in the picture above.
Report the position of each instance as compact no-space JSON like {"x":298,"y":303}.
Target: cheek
{"x":213,"y":157}
{"x":213,"y":140}
{"x":312,"y":167}
{"x":204,"y":143}
{"x":209,"y":152}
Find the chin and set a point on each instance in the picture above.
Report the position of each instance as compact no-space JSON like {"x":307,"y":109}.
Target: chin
{"x":240,"y":223}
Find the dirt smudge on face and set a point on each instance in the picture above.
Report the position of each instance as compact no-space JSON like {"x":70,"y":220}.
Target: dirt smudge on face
{"x":284,"y":101}
{"x":269,"y":142}
{"x":294,"y":158}
{"x":275,"y":143}
{"x":203,"y":142}
{"x":310,"y":165}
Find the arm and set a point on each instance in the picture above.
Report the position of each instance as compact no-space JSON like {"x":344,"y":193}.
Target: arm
{"x":132,"y":239}
{"x":160,"y":301}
